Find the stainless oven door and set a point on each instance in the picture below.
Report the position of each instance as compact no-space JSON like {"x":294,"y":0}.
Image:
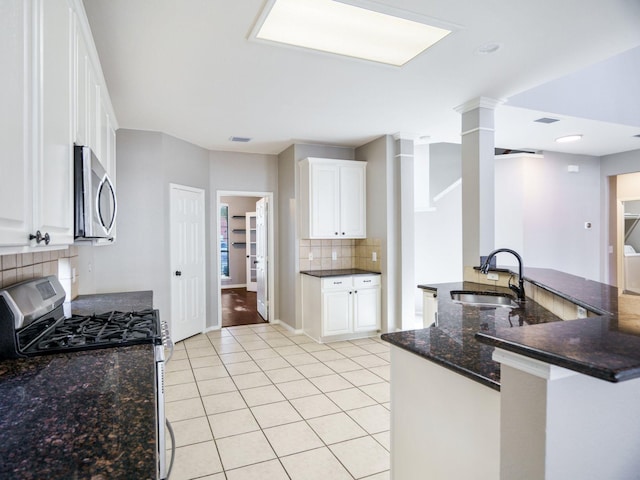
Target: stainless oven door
{"x":163,"y":470}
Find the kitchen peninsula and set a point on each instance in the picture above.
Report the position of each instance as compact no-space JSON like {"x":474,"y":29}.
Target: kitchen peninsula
{"x":536,"y":397}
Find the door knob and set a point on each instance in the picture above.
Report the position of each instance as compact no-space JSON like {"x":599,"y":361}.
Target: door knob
{"x":178,"y":273}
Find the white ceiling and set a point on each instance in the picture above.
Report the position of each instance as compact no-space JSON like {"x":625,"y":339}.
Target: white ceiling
{"x":187,"y":68}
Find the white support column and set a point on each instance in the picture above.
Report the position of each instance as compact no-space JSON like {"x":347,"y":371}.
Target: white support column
{"x":478,"y":204}
{"x":407,"y":284}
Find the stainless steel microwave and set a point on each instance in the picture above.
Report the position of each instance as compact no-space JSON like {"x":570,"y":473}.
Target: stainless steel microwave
{"x":95,"y":204}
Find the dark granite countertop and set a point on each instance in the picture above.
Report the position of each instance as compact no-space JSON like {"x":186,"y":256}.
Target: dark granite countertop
{"x":605,"y":347}
{"x":106,"y":302}
{"x":338,"y":272}
{"x":453,"y":343}
{"x":84,"y":415}
{"x":597,"y":297}
{"x":601,"y":347}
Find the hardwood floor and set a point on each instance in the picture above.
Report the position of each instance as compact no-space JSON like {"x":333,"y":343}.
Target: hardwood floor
{"x":239,"y":307}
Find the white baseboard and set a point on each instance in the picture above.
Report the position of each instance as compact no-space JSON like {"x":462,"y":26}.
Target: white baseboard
{"x":287,"y":326}
{"x":212,"y":328}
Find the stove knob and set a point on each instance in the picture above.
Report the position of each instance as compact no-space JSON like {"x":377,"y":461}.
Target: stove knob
{"x":178,"y":273}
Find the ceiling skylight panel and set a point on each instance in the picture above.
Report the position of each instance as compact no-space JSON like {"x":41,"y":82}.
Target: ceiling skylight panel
{"x":343,"y":29}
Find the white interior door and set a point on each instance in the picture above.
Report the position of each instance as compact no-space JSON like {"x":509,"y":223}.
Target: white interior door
{"x":187,"y":226}
{"x":251,"y":251}
{"x":262,"y":264}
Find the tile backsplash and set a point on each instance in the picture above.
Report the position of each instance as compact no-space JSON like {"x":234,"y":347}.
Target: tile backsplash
{"x":15,"y":268}
{"x":349,"y":254}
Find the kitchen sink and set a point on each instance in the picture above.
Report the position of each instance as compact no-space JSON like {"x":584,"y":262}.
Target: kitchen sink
{"x":483,"y":299}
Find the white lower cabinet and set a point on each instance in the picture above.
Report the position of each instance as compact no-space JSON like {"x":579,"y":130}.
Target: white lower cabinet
{"x":342,"y":307}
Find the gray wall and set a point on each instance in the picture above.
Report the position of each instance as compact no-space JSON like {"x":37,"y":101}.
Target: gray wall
{"x":438,"y":254}
{"x":445,"y":166}
{"x":139,"y":259}
{"x":287,"y":244}
{"x":383,"y":220}
{"x":540,"y":212}
{"x":147,"y":163}
{"x":238,"y":254}
{"x":241,"y":172}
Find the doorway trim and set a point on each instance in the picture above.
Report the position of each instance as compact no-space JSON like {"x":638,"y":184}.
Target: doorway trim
{"x":270,"y":251}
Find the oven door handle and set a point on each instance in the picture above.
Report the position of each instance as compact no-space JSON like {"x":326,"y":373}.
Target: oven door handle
{"x":173,"y":447}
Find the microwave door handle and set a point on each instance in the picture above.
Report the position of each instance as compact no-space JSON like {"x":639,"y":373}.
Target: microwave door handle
{"x":115,"y":204}
{"x":106,"y":182}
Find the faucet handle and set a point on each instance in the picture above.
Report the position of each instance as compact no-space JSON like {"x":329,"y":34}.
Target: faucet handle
{"x":486,"y":262}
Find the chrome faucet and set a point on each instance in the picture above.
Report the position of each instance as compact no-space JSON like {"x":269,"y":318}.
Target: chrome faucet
{"x":519,"y":290}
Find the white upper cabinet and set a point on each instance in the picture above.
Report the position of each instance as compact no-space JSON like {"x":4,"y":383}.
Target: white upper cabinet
{"x":332,"y":198}
{"x":53,"y":189}
{"x":48,"y":62}
{"x":15,"y":123}
{"x":95,"y":123}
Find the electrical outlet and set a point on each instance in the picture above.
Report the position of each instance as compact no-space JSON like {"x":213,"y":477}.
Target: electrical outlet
{"x":310,"y":256}
{"x":493,"y":276}
{"x":334,"y":256}
{"x":374,"y":257}
{"x":581,"y":311}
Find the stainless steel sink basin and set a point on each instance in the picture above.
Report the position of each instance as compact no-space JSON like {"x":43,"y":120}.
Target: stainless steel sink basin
{"x":483,"y":299}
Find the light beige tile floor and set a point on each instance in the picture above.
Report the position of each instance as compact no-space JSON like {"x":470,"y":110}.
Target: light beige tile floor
{"x":258,"y":402}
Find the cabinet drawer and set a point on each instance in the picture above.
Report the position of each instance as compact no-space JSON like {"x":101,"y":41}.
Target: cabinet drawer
{"x":332,"y":283}
{"x":360,"y":281}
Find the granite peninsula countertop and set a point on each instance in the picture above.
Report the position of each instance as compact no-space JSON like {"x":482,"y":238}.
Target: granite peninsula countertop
{"x":452,"y":342}
{"x":83,"y":415}
{"x":338,"y":272}
{"x":605,"y":346}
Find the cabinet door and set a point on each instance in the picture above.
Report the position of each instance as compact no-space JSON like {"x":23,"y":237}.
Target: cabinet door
{"x":82,"y":68}
{"x":353,"y":201}
{"x":324,"y":203}
{"x":103,"y":152}
{"x":366,"y":309}
{"x":53,"y":212}
{"x":15,"y":123}
{"x":336,"y":314}
{"x":93,"y":111}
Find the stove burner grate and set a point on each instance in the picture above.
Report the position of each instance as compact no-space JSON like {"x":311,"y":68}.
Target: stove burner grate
{"x":98,"y":330}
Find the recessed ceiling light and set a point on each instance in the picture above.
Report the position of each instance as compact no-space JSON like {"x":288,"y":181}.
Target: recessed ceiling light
{"x":240,"y":139}
{"x":488,"y":48}
{"x":340,"y":28}
{"x":569,"y":138}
